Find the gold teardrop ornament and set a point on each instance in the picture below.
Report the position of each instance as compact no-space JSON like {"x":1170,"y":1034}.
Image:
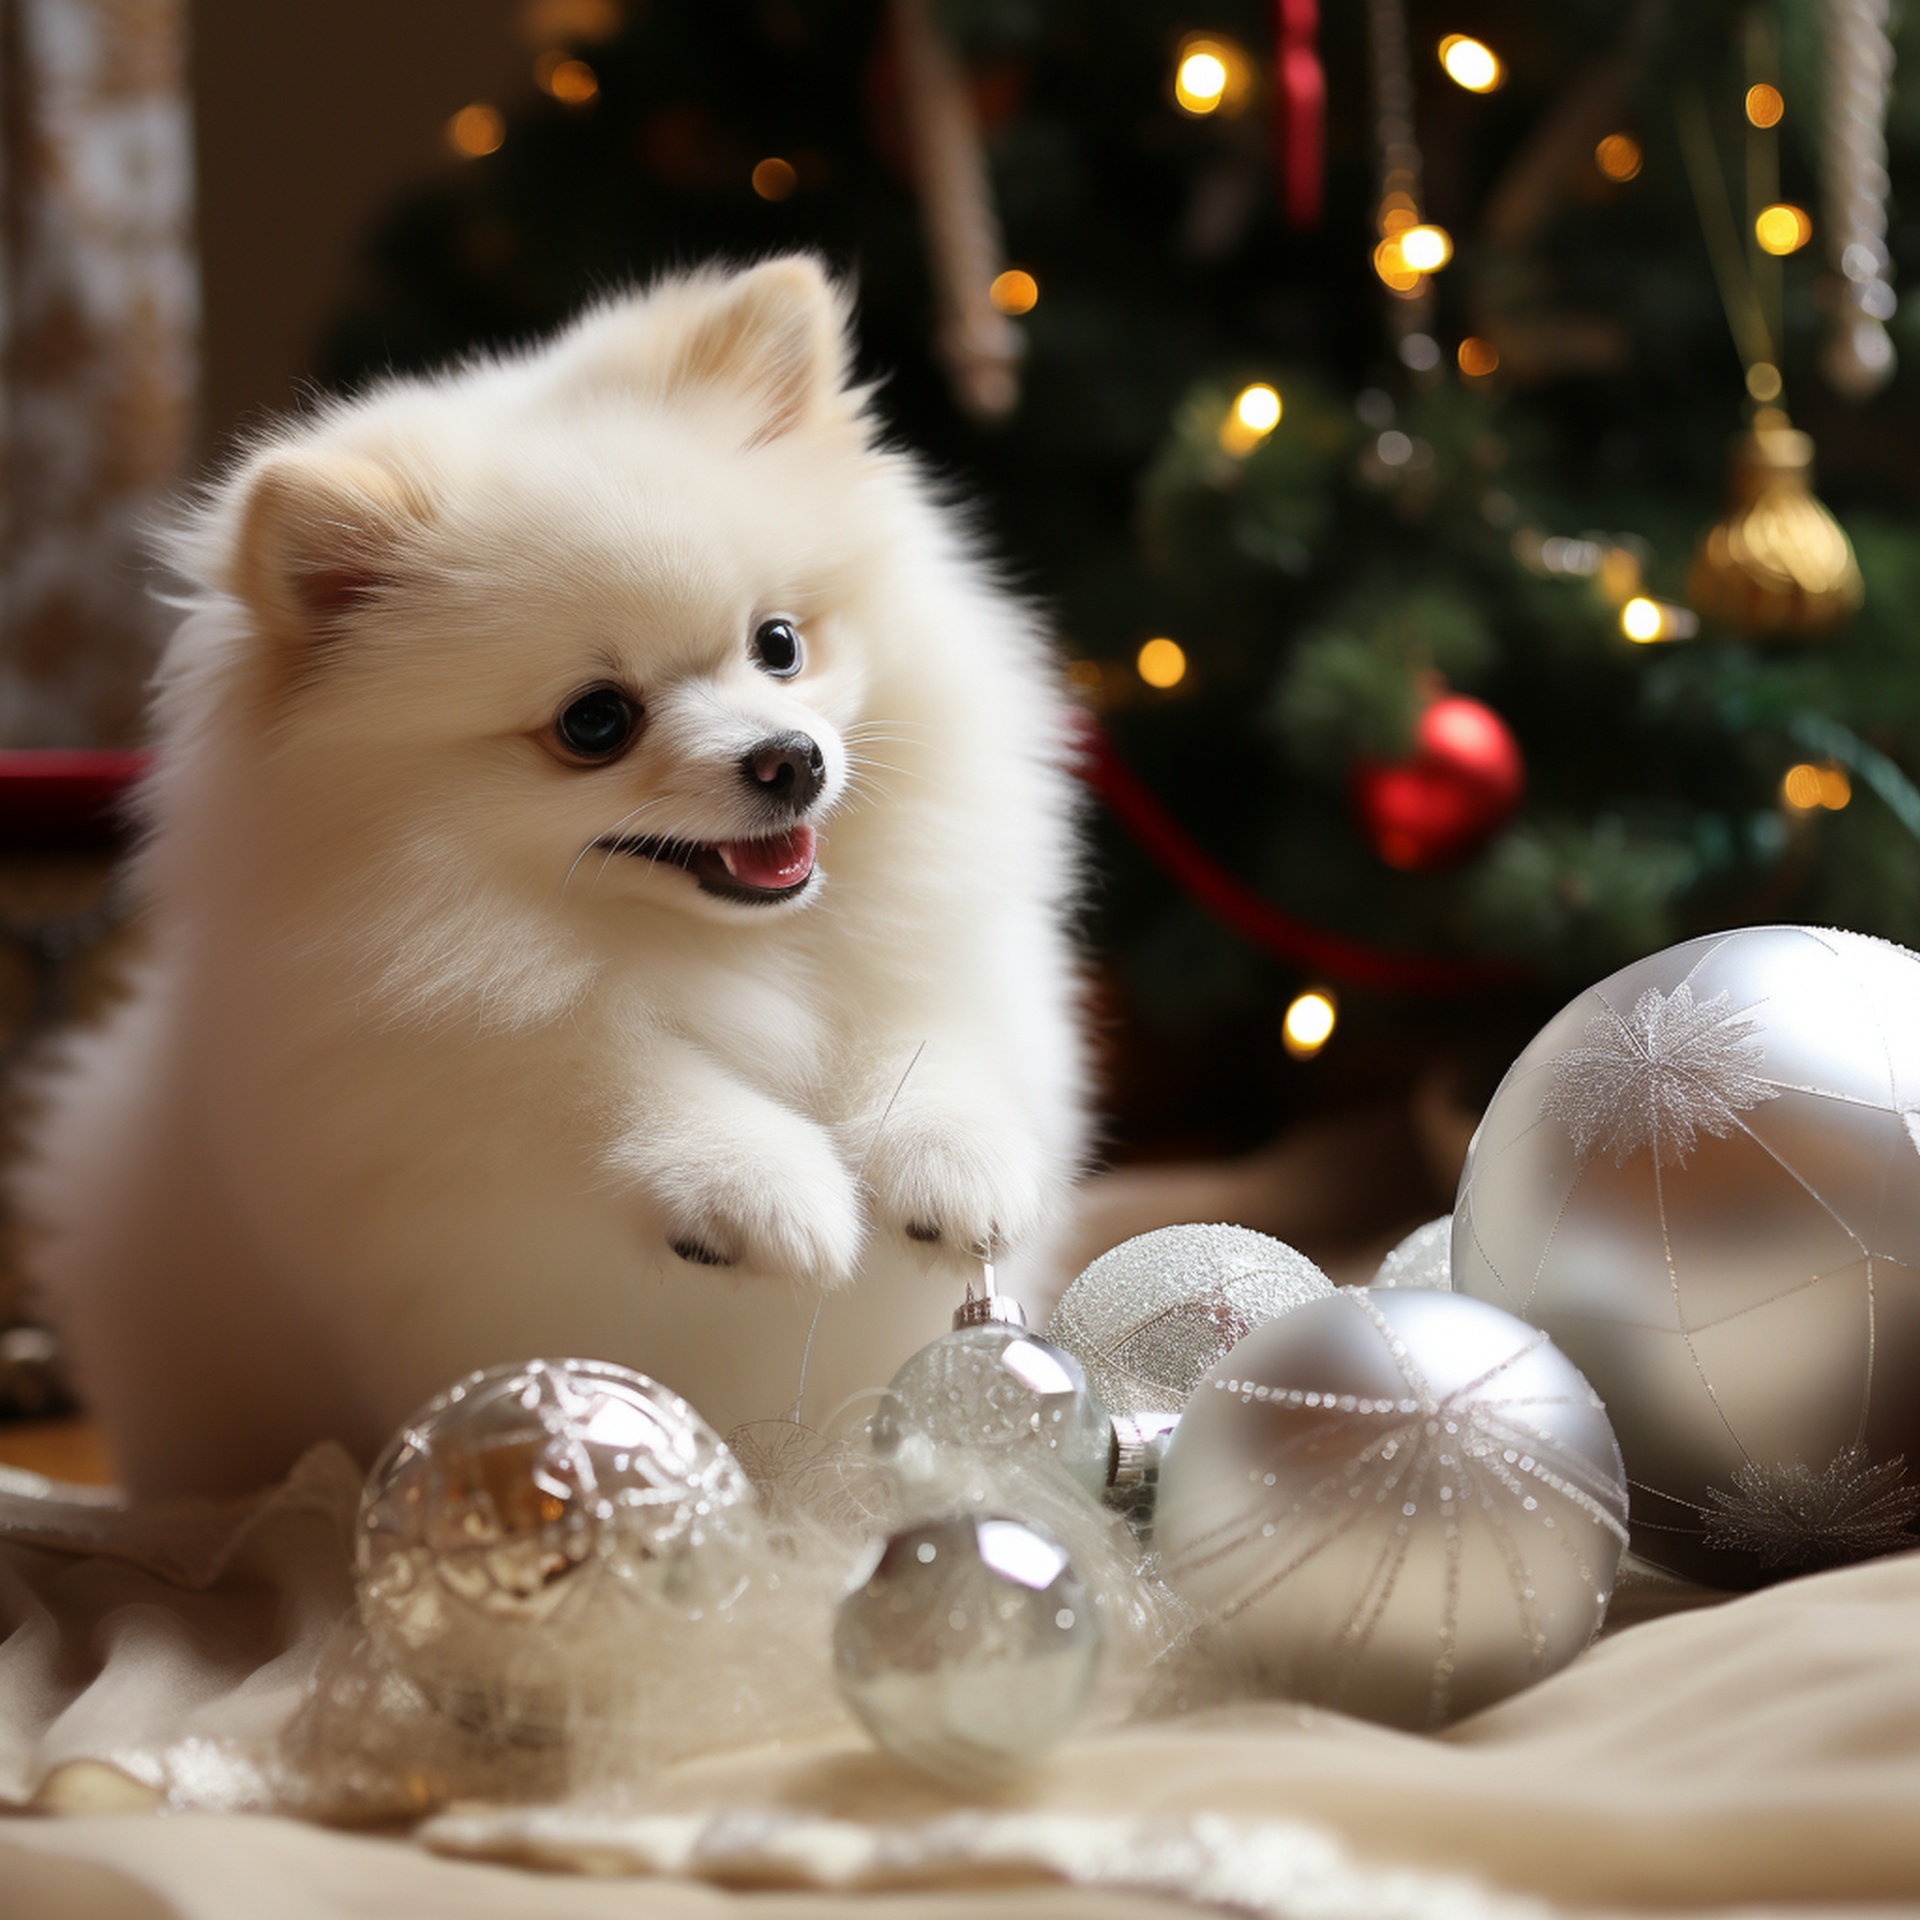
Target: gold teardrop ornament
{"x":1776,"y":564}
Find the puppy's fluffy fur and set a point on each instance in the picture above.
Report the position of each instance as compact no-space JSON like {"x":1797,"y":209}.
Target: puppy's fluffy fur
{"x":450,"y":1036}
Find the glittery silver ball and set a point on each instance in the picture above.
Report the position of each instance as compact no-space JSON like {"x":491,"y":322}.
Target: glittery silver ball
{"x":522,"y":1527}
{"x":969,"y":1647}
{"x":1151,"y":1318}
{"x":1703,"y":1180}
{"x":994,"y":1389}
{"x":1406,"y":1505}
{"x":1423,"y":1259}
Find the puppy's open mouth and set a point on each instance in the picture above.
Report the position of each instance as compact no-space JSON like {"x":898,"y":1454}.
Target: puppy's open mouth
{"x":777,"y":868}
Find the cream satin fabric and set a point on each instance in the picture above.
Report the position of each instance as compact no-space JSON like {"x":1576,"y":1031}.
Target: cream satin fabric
{"x":1763,"y":1752}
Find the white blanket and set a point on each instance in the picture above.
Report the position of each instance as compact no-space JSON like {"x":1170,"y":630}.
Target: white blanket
{"x":1763,"y":1752}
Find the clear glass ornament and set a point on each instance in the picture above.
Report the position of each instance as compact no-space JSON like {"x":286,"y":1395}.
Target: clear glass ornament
{"x":1423,"y":1259}
{"x":1149,"y":1320}
{"x":1403,"y":1504}
{"x":994,"y":1388}
{"x":522,"y":1527}
{"x":970,"y":1646}
{"x":1703,"y":1180}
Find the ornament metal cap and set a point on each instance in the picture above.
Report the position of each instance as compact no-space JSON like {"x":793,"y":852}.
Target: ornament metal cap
{"x":988,"y":1308}
{"x":1139,"y":1443}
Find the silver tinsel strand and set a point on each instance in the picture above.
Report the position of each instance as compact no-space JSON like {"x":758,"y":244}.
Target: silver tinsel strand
{"x":1858,"y":358}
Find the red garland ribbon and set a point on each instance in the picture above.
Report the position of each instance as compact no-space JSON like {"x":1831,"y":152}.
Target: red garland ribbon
{"x":1168,"y":844}
{"x":1300,"y":111}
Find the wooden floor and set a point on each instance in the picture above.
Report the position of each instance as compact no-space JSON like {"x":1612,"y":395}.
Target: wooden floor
{"x":61,"y":1449}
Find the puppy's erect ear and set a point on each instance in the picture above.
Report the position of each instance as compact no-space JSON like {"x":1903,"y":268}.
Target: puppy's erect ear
{"x":320,"y":534}
{"x":772,"y":340}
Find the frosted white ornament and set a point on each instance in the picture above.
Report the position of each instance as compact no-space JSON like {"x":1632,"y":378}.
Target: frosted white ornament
{"x":1149,"y":1319}
{"x":969,"y":1646}
{"x":1423,"y":1259}
{"x":523,"y":1529}
{"x":1404,"y":1504}
{"x":1703,"y":1180}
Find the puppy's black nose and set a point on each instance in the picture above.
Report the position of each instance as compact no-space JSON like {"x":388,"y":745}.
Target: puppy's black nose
{"x":786,"y":766}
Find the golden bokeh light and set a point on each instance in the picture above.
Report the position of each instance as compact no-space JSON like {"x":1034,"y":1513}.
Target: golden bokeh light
{"x":476,"y":130}
{"x":1477,"y":357}
{"x":547,"y":23}
{"x":1807,"y":787}
{"x":1426,"y":249}
{"x":1782,"y":228}
{"x":1471,"y":63}
{"x":1015,"y":291}
{"x":1254,"y":414}
{"x":1640,"y":619}
{"x":1764,"y":105}
{"x":1391,"y":265}
{"x":775,"y":179}
{"x":1211,"y":75}
{"x":572,"y":82}
{"x":1619,"y":157}
{"x":1764,"y":382}
{"x":1200,"y":82}
{"x":1308,"y":1023}
{"x":1161,"y":663}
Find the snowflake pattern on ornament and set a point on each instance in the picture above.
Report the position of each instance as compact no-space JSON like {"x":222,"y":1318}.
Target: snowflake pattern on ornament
{"x":1790,"y":1516}
{"x":1658,"y":1078}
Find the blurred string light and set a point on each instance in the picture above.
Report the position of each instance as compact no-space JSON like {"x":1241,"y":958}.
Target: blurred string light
{"x":569,"y":80}
{"x":1764,"y":105}
{"x":1409,"y":252}
{"x":546,"y":23}
{"x":1471,"y":63}
{"x":1211,"y":74}
{"x":1015,"y":291}
{"x":476,"y":130}
{"x":1308,"y":1023}
{"x":1644,"y":620}
{"x":1477,"y":358}
{"x":1763,"y":382}
{"x":1782,"y":228}
{"x":775,"y":179}
{"x":1808,"y":787}
{"x":1254,"y":414}
{"x":1161,"y":663}
{"x":1426,"y":249}
{"x":1619,"y":157}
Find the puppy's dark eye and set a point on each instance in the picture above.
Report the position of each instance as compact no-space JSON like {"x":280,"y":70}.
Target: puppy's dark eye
{"x":777,"y":649}
{"x":597,"y":724}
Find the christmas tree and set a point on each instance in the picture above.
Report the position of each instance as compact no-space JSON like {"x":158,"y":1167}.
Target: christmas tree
{"x":1365,"y":448}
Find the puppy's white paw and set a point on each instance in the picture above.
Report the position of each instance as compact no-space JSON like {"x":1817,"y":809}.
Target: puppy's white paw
{"x":776,"y":1202}
{"x":972,"y":1187}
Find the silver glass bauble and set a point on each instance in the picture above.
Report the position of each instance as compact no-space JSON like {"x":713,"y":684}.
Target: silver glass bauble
{"x":1423,"y":1259}
{"x":521,"y":1528}
{"x":994,"y":1388}
{"x":1406,"y":1505}
{"x":969,"y":1647}
{"x":1703,"y":1180}
{"x":1149,"y":1319}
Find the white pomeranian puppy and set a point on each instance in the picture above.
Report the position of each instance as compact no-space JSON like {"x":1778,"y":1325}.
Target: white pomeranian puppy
{"x":606,"y":861}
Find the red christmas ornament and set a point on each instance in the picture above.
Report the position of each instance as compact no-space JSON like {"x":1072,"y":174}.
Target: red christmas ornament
{"x":1458,"y":788}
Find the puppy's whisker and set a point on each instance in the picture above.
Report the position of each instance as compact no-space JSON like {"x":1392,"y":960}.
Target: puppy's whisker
{"x":609,"y":842}
{"x":600,"y":840}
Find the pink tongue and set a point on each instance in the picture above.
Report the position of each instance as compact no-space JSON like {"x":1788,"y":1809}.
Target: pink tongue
{"x":772,"y":864}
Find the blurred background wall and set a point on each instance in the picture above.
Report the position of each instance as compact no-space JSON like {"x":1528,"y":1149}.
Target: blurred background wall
{"x":311,"y":115}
